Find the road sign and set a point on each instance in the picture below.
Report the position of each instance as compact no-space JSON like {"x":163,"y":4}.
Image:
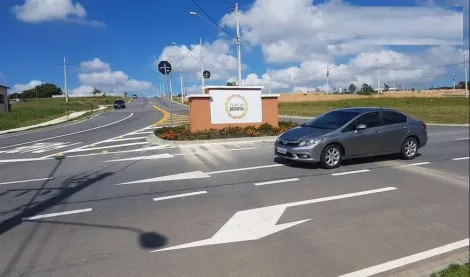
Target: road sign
{"x":164,"y":67}
{"x":206,"y":74}
{"x":258,"y":223}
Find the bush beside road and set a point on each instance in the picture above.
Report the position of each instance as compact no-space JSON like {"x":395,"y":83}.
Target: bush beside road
{"x":429,"y":109}
{"x":454,"y":270}
{"x":45,"y":109}
{"x":182,"y":132}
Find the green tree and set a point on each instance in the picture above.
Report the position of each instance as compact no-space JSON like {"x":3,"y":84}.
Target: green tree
{"x":352,"y":88}
{"x":95,"y":91}
{"x":231,"y":83}
{"x":45,"y":90}
{"x":366,"y":90}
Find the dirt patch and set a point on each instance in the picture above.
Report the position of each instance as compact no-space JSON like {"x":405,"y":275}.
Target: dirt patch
{"x":301,"y":97}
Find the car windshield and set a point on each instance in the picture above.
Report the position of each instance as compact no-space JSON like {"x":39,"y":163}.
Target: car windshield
{"x":332,"y":120}
{"x":119,"y":101}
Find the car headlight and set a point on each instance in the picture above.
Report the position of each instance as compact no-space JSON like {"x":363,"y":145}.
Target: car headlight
{"x":310,"y":142}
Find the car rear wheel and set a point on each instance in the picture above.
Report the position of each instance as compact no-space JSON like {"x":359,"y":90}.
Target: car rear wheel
{"x":331,"y":156}
{"x":409,"y":149}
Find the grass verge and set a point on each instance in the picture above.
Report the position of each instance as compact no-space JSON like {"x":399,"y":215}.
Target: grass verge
{"x":454,"y":270}
{"x":429,"y":109}
{"x":182,"y":132}
{"x":34,"y":112}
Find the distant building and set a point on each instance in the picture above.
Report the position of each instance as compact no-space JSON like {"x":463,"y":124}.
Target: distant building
{"x":3,"y":99}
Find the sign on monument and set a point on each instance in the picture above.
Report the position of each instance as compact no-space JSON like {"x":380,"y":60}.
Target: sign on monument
{"x":228,"y":107}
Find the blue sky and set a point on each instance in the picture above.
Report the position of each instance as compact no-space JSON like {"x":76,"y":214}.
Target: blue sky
{"x":130,"y":36}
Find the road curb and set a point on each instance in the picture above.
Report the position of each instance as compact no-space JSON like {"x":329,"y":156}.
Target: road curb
{"x":429,"y":124}
{"x":187,"y":106}
{"x":153,"y":139}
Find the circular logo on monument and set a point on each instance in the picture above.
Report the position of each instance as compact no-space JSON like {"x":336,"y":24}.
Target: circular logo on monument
{"x":236,"y":106}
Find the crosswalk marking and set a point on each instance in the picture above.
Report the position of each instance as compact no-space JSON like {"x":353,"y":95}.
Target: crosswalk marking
{"x":40,"y":147}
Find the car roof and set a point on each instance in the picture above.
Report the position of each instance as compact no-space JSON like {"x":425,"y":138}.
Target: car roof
{"x":366,"y":109}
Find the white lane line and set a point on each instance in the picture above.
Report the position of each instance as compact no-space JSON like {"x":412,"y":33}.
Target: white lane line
{"x":350,"y":172}
{"x":244,"y":169}
{"x":120,"y":152}
{"x":179,"y":195}
{"x":70,"y":134}
{"x":461,"y":139}
{"x":276,"y":181}
{"x":151,"y":157}
{"x":24,"y":160}
{"x":416,"y":164}
{"x":139,"y":133}
{"x":127,"y":139}
{"x":26,"y":181}
{"x":225,"y":150}
{"x":59,"y":214}
{"x":459,"y":159}
{"x":104,"y":147}
{"x":408,"y":260}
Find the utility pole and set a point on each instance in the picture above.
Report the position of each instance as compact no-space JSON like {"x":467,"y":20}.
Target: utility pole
{"x":65,"y":82}
{"x":239,"y":46}
{"x":466,"y":74}
{"x":181,"y":81}
{"x":378,"y":75}
{"x":202,"y":65}
{"x":327,"y":78}
{"x":455,"y":78}
{"x":357,"y":84}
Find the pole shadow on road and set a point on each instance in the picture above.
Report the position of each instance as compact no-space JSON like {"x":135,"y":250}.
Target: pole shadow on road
{"x":146,"y":240}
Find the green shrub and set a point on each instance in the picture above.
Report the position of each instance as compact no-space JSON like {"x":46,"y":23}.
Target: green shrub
{"x":183,"y":132}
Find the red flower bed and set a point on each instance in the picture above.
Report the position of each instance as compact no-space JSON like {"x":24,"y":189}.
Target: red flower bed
{"x":182,"y":132}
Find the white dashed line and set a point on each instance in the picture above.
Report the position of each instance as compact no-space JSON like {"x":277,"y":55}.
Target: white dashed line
{"x":416,"y":164}
{"x":350,"y":172}
{"x":59,"y":214}
{"x":461,"y":139}
{"x":408,"y":260}
{"x":459,"y":159}
{"x":25,"y":181}
{"x":180,"y":195}
{"x":276,"y":182}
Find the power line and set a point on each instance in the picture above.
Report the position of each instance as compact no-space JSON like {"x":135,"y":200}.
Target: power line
{"x":212,"y":20}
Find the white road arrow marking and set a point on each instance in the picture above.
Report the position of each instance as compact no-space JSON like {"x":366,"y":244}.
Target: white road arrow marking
{"x":181,"y":176}
{"x":196,"y":174}
{"x":258,"y":223}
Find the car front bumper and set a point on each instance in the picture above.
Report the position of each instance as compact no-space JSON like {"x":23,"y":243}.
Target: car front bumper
{"x":300,"y":154}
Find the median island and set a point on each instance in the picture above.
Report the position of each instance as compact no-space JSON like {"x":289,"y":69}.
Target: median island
{"x":182,"y":132}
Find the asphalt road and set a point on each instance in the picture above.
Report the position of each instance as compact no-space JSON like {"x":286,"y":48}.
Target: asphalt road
{"x":221,"y":209}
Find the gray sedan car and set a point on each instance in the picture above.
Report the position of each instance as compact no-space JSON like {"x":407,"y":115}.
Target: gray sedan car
{"x":352,"y":133}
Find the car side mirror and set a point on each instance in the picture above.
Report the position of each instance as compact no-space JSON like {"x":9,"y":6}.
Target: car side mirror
{"x":361,"y":127}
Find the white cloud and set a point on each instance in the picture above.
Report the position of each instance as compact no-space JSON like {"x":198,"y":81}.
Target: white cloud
{"x":217,"y":59}
{"x":18,"y":88}
{"x":265,"y":81}
{"x":95,"y":65}
{"x":35,"y":11}
{"x":395,"y":67}
{"x":298,"y":30}
{"x":82,"y":90}
{"x":101,"y":76}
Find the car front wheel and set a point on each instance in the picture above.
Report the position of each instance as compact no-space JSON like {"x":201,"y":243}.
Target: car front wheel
{"x":331,"y":156}
{"x":409,"y":149}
